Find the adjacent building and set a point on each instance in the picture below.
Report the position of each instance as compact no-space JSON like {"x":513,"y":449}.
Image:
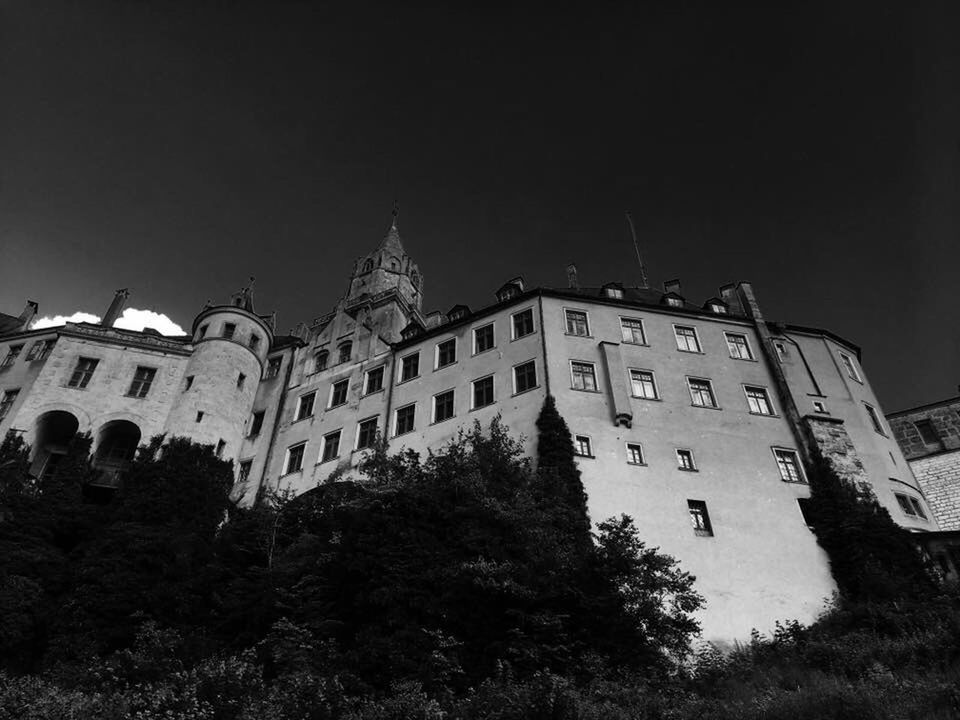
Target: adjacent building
{"x":697,"y":419}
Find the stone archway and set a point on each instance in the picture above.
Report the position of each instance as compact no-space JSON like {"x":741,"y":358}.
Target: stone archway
{"x":53,"y":432}
{"x":117,"y":443}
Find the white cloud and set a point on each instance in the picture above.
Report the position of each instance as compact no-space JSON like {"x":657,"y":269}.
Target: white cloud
{"x":132,"y":319}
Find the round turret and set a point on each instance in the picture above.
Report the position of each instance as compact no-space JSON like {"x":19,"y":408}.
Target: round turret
{"x":230,"y":345}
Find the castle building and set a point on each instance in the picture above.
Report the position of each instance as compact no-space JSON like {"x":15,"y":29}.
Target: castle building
{"x":698,"y":420}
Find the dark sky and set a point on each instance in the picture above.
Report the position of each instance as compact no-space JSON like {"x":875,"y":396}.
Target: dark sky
{"x":179,"y":147}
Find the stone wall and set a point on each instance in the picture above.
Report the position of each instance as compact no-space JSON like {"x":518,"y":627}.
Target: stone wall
{"x":945,"y":419}
{"x":834,"y":442}
{"x":939,"y":478}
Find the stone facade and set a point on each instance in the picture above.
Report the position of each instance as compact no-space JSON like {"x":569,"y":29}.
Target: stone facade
{"x":674,"y":406}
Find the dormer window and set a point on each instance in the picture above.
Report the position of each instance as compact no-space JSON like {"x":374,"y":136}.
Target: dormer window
{"x":458,"y":312}
{"x":344,"y":352}
{"x":411,"y":330}
{"x":510,"y":290}
{"x":673,"y":300}
{"x":716,"y":306}
{"x":613,"y":290}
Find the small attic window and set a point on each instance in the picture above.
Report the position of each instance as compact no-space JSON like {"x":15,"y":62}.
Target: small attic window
{"x":673,"y":301}
{"x":507,"y":292}
{"x":457,"y":314}
{"x":612,"y":291}
{"x":411,"y":331}
{"x":717,"y":307}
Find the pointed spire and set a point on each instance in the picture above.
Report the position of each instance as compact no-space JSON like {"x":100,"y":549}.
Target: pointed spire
{"x":396,"y":216}
{"x":392,"y":238}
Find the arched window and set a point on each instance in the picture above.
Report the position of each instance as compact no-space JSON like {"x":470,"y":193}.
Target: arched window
{"x":345,"y":351}
{"x":394,"y":265}
{"x":368,"y":266}
{"x":415,"y":279}
{"x":320,"y":361}
{"x":116,"y":445}
{"x":55,"y":430}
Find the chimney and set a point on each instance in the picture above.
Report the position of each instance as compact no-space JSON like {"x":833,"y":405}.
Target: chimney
{"x":671,"y":286}
{"x":29,"y":313}
{"x":116,"y":307}
{"x":728,"y":293}
{"x":572,"y":277}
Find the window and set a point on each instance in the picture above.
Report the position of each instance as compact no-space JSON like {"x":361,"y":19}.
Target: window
{"x":700,"y":518}
{"x":443,"y":406}
{"x":819,"y":407}
{"x":927,"y":432}
{"x":577,"y":323}
{"x":581,"y":446}
{"x":643,"y":384}
{"x":320,"y":360}
{"x":404,"y":421}
{"x":446,"y":353}
{"x":82,"y":372}
{"x":805,"y":511}
{"x":523,"y":323}
{"x":718,"y":308}
{"x":294,"y":459}
{"x":142,"y":380}
{"x":202,"y":332}
{"x":674,"y":301}
{"x":738,"y":346}
{"x":244,"y":473}
{"x":584,"y":376}
{"x":687,"y":339}
{"x":482,"y":338}
{"x":701,"y":393}
{"x":874,"y":418}
{"x":254,"y":342}
{"x":368,"y":266}
{"x":373,"y":381}
{"x":632,"y":331}
{"x":199,"y":415}
{"x":221,"y":446}
{"x":12,"y":354}
{"x":273,"y":367}
{"x":910,"y":506}
{"x":789,"y":463}
{"x":331,"y":446}
{"x":851,"y":369}
{"x":525,"y":377}
{"x":189,"y":383}
{"x":338,"y":393}
{"x":758,"y":400}
{"x":483,"y":392}
{"x":39,"y":350}
{"x":305,"y":405}
{"x":344,"y":351}
{"x":241,"y":381}
{"x":366,"y":433}
{"x":228,"y":330}
{"x":256,"y":423}
{"x":9,"y":397}
{"x":781,"y":349}
{"x":634,"y":454}
{"x":409,"y":367}
{"x":685,"y":460}
{"x":614,"y":292}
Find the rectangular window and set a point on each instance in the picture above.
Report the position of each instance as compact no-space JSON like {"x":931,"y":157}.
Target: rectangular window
{"x":583,"y":375}
{"x":851,"y":369}
{"x":643,"y":384}
{"x":525,"y":377}
{"x":374,"y":381}
{"x":789,"y":463}
{"x":443,"y":406}
{"x":917,"y":507}
{"x":320,"y":359}
{"x":338,"y":393}
{"x":331,"y":446}
{"x":631,"y":329}
{"x":805,"y":511}
{"x":305,"y":406}
{"x":781,"y":349}
{"x":9,"y":397}
{"x":273,"y":367}
{"x":874,"y":418}
{"x":700,"y":518}
{"x":294,"y":459}
{"x":404,"y":421}
{"x":142,"y":380}
{"x":910,"y":506}
{"x":228,"y":330}
{"x":241,"y":381}
{"x":523,"y":323}
{"x":701,"y":393}
{"x":927,"y":432}
{"x":483,"y":392}
{"x":482,"y":338}
{"x":366,"y":433}
{"x":687,"y":339}
{"x":685,"y":460}
{"x":221,"y":446}
{"x":39,"y":350}
{"x":344,"y":352}
{"x":256,"y":423}
{"x":738,"y":346}
{"x":446,"y":353}
{"x":254,"y":341}
{"x":577,"y":323}
{"x":202,"y":332}
{"x":409,"y":367}
{"x":82,"y":372}
{"x":12,"y":354}
{"x":819,"y":407}
{"x":199,"y":416}
{"x":189,"y":383}
{"x":634,"y":454}
{"x":244,"y":472}
{"x":758,"y":400}
{"x":582,"y":446}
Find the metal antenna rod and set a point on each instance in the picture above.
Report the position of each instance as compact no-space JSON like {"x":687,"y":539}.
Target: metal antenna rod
{"x":633,"y":233}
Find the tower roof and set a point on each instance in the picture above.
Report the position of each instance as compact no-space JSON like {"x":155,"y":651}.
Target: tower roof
{"x":391,"y":241}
